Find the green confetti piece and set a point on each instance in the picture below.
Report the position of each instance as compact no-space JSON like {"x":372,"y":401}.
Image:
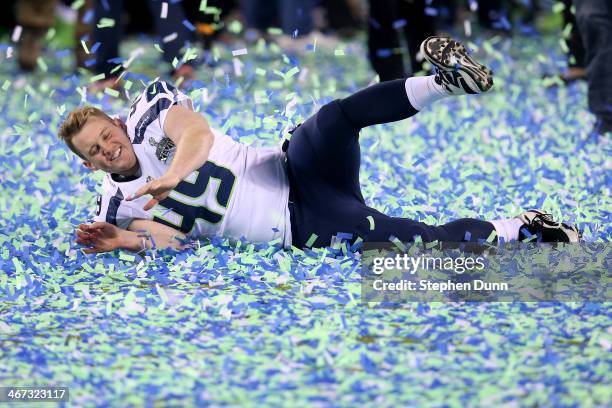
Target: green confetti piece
{"x":50,"y":34}
{"x":77,"y":4}
{"x":18,"y":266}
{"x":260,"y":71}
{"x":558,"y":7}
{"x":106,"y":23}
{"x":492,"y":236}
{"x":98,"y":77}
{"x":6,"y":85}
{"x":203,"y":5}
{"x":112,"y":92}
{"x":371,"y":221}
{"x":212,"y":10}
{"x":291,"y":72}
{"x":83,"y":90}
{"x":275,"y":31}
{"x":311,"y":240}
{"x":235,"y":27}
{"x":431,"y":244}
{"x":126,"y":257}
{"x":398,"y":243}
{"x":41,"y":64}
{"x":339,"y":52}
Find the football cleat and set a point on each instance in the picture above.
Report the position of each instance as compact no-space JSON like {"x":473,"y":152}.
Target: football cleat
{"x":546,"y":229}
{"x":456,"y":71}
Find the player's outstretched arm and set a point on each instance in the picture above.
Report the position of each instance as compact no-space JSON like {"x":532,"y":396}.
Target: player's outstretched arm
{"x":193,"y":139}
{"x":142,"y":234}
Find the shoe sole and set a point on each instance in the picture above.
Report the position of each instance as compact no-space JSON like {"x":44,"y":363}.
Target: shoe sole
{"x":439,"y":51}
{"x":571,"y":232}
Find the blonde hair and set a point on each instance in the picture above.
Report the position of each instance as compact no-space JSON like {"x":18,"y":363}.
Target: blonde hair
{"x":75,"y":122}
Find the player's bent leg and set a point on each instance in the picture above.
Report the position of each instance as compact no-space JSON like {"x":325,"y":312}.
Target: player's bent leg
{"x":532,"y":225}
{"x":382,"y":228}
{"x":324,"y":153}
{"x":457,"y":73}
{"x":379,"y":103}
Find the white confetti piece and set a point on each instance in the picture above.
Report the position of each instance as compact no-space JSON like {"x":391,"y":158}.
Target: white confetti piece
{"x":164,"y":10}
{"x":241,"y":51}
{"x":467,"y":27}
{"x":303,"y":74}
{"x":169,"y":38}
{"x":5,"y":328}
{"x":133,"y":55}
{"x":9,"y":52}
{"x":16,"y":33}
{"x":290,"y":108}
{"x":238,"y":66}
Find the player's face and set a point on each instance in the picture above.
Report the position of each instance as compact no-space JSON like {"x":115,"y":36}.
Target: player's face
{"x":106,"y":146}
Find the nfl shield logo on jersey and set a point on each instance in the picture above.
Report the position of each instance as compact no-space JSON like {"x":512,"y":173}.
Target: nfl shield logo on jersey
{"x":163,"y":148}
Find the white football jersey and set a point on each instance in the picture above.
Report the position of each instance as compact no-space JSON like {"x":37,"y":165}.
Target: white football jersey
{"x":240,"y":191}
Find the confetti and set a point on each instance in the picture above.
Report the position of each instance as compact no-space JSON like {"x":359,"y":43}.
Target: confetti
{"x":241,"y":51}
{"x":77,"y":4}
{"x":189,"y":26}
{"x":169,"y":38}
{"x":149,"y":328}
{"x":16,"y":33}
{"x":106,"y":23}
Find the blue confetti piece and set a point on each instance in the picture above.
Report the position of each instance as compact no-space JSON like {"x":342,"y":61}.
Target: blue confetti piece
{"x":189,"y":26}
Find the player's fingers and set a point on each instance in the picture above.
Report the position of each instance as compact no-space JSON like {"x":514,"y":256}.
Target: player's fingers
{"x":162,"y":196}
{"x":82,"y":241}
{"x":148,"y":188}
{"x":150,"y":204}
{"x":96,"y":226}
{"x":84,"y":227}
{"x":83,"y":238}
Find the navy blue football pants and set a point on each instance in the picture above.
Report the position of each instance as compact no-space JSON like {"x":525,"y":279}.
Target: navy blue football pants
{"x":323,"y":159}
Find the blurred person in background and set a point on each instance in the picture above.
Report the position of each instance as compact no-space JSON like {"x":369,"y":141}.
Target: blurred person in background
{"x":392,"y":23}
{"x":576,"y":53}
{"x":340,"y":17}
{"x":209,"y":21}
{"x":170,"y":23}
{"x":594,"y":19}
{"x":36,"y":17}
{"x":293,"y":16}
{"x":492,"y":14}
{"x":576,"y":64}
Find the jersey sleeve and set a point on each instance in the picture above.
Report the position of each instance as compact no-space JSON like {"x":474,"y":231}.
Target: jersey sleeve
{"x":109,"y":209}
{"x":115,"y":210}
{"x":148,"y":113}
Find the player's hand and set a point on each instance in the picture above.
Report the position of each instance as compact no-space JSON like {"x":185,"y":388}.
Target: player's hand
{"x":99,"y":237}
{"x":159,"y":189}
